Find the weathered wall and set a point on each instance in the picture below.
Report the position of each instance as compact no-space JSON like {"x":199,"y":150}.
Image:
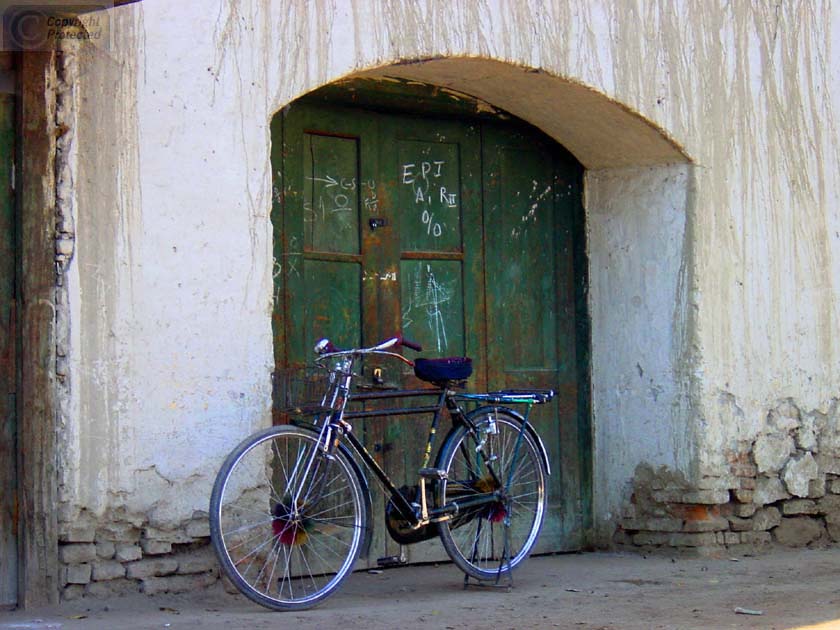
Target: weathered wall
{"x":721,"y":290}
{"x":639,"y":300}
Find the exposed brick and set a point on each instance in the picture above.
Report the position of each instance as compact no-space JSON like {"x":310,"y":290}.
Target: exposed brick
{"x":766,"y":518}
{"x":744,"y":510}
{"x":149,"y":567}
{"x":712,"y":524}
{"x":127,"y":553}
{"x":692,"y":540}
{"x":829,"y":464}
{"x":119,"y":532}
{"x":651,"y":538}
{"x":771,"y":451}
{"x":112,"y":588}
{"x":718,"y":483}
{"x":735,"y":458}
{"x":653,"y":524}
{"x":78,"y":534}
{"x":693,"y":512}
{"x":708,"y":497}
{"x":105,"y":549}
{"x":768,"y":490}
{"x":799,"y":506}
{"x":798,"y":474}
{"x":199,"y":561}
{"x":176,"y":536}
{"x":77,"y":574}
{"x":828,"y":503}
{"x":155,"y":547}
{"x":743,"y":496}
{"x":107,"y":570}
{"x":178,"y":583}
{"x":77,"y":553}
{"x":740,"y":524}
{"x":731,"y":538}
{"x":744,"y":470}
{"x":198,"y":528}
{"x":756,"y":538}
{"x":798,"y":531}
{"x":816,"y":488}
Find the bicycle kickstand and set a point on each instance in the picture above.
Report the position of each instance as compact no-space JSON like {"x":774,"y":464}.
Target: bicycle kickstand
{"x":505,"y":559}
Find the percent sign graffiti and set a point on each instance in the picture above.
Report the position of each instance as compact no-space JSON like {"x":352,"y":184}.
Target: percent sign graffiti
{"x":431,"y":226}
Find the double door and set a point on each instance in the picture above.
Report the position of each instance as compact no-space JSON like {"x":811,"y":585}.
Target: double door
{"x":457,"y":233}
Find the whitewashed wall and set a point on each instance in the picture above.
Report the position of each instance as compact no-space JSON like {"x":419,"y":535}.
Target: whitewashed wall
{"x":712,"y":284}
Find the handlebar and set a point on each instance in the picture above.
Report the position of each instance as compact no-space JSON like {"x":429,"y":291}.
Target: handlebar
{"x":325,"y":346}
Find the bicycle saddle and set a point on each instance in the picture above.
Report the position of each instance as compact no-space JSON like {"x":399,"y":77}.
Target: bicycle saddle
{"x":443,"y":370}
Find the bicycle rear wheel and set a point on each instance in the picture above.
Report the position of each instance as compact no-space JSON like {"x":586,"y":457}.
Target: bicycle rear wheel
{"x":286,"y":520}
{"x":493,"y":538}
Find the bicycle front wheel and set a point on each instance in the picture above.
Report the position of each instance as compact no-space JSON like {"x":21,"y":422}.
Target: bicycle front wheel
{"x":286,"y":520}
{"x":490,"y":539}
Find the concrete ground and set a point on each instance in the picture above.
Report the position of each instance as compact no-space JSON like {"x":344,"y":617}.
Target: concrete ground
{"x":784,"y":589}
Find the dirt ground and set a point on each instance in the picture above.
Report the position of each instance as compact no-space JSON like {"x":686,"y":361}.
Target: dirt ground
{"x":790,"y":589}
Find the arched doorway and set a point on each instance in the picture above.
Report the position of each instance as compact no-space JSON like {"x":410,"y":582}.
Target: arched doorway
{"x":403,"y":207}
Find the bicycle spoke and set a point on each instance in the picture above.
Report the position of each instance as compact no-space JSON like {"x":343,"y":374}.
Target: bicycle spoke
{"x":497,"y":536}
{"x":280,"y":552}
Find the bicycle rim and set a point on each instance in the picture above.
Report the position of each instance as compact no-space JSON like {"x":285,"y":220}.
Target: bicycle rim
{"x":286,"y":521}
{"x":493,"y":538}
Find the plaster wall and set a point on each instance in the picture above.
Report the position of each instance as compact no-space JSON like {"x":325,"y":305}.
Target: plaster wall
{"x":734,"y":259}
{"x":637,"y":233}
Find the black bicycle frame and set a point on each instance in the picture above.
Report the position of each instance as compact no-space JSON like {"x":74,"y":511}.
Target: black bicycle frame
{"x":458,"y":416}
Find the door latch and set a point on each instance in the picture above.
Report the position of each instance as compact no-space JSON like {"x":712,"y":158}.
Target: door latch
{"x":377,"y":222}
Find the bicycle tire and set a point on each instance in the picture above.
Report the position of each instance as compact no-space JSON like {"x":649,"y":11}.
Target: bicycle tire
{"x":281,"y":552}
{"x":475,"y":538}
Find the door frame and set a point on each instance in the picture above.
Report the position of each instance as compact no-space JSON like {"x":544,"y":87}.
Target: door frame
{"x":37,"y":493}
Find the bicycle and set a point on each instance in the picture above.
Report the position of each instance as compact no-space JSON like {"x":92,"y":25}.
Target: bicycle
{"x":290,"y":510}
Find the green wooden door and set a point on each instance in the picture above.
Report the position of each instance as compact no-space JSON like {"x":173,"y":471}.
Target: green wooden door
{"x":531,"y":201}
{"x":8,"y":475}
{"x":388,"y":223}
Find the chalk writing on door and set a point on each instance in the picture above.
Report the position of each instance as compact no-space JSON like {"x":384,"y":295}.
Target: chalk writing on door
{"x":427,"y":181}
{"x":428,"y":301}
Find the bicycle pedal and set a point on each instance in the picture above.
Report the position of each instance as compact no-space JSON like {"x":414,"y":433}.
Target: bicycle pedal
{"x":432,"y":473}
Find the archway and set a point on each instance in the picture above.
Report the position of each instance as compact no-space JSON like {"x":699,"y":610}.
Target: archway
{"x":618,"y":148}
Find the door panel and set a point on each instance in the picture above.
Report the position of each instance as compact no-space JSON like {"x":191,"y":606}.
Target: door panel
{"x":330,"y":204}
{"x":429,"y":196}
{"x":531,"y":302}
{"x":318,"y":247}
{"x":433,"y":305}
{"x":8,"y":425}
{"x":333,"y":308}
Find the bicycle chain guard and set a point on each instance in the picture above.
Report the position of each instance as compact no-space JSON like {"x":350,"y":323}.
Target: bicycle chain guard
{"x":399,"y":526}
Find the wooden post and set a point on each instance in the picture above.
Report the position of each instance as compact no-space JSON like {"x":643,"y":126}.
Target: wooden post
{"x":38,"y":500}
